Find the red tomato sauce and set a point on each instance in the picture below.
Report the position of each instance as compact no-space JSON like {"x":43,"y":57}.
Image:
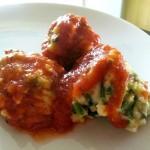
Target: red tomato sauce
{"x":76,"y":47}
{"x":117,"y":68}
{"x":69,"y":38}
{"x":28,"y":89}
{"x":33,"y":115}
{"x":90,"y":70}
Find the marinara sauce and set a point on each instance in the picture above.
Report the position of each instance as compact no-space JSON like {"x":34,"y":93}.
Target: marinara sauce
{"x":69,"y":38}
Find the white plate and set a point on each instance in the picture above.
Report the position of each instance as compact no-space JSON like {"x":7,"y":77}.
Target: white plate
{"x":25,"y":26}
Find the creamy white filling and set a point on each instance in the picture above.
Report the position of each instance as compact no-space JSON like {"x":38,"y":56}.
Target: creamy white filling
{"x":140,"y":106}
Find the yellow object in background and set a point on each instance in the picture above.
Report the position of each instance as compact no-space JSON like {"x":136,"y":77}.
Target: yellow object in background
{"x":137,"y":12}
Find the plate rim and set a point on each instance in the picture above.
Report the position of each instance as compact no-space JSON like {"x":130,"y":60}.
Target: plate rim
{"x":36,"y":4}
